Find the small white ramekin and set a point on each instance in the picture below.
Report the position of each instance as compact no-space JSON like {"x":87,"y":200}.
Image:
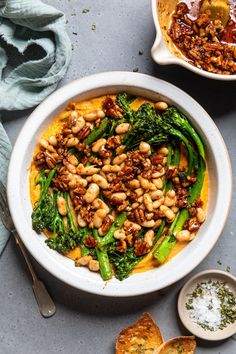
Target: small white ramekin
{"x":161,"y":54}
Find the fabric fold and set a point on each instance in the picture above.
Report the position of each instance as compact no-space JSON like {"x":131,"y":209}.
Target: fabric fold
{"x":29,"y":27}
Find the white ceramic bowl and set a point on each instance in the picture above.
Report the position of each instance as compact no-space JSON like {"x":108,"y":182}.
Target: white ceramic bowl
{"x":163,"y":55}
{"x":219,"y":192}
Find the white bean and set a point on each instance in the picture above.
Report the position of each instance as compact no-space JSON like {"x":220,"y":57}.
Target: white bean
{"x":81,"y":182}
{"x":83,"y":261}
{"x":158,"y":223}
{"x":100,"y":113}
{"x":163,"y":151}
{"x":145,"y":184}
{"x":148,"y":223}
{"x":149,"y":237}
{"x":139,"y":192}
{"x":169,"y":202}
{"x":201,"y":216}
{"x":175,"y":209}
{"x":157,"y":203}
{"x":98,"y":217}
{"x":140,"y":199}
{"x":161,"y":106}
{"x":122,"y":128}
{"x":120,"y":234}
{"x":81,"y":221}
{"x":118,"y":197}
{"x":134,"y":184}
{"x":45,"y":144}
{"x":100,"y":181}
{"x":79,"y":124}
{"x":71,"y":168}
{"x":91,"y":193}
{"x":110,"y":168}
{"x":171,"y":193}
{"x":90,"y":117}
{"x":52,"y":140}
{"x":61,"y":205}
{"x":72,"y":142}
{"x":119,"y":159}
{"x":148,"y":202}
{"x":158,"y":174}
{"x":106,"y":161}
{"x":87,"y":170}
{"x":135,"y":205}
{"x":183,"y":235}
{"x":93,"y":265}
{"x":145,"y":148}
{"x":98,"y":145}
{"x":158,"y":183}
{"x":156,"y":194}
{"x":129,"y":224}
{"x":73,"y":115}
{"x":73,"y":160}
{"x":100,"y":204}
{"x":169,"y":214}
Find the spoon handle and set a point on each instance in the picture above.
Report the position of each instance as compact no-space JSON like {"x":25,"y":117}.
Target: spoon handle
{"x":45,"y":303}
{"x":46,"y":306}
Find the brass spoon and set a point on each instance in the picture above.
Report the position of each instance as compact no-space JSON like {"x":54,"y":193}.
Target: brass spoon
{"x":219,"y":9}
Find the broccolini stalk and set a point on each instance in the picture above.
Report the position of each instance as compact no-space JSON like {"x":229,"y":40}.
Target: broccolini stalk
{"x":169,"y":156}
{"x":104,"y":263}
{"x":174,"y":161}
{"x":43,"y":209}
{"x":159,"y":232}
{"x":176,"y":156}
{"x":163,"y":250}
{"x":188,"y":145}
{"x":122,"y":100}
{"x":97,"y":132}
{"x":97,"y":237}
{"x":108,"y":238}
{"x":177,"y":119}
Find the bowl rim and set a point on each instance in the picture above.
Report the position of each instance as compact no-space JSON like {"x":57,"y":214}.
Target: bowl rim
{"x":40,"y":114}
{"x":207,"y":274}
{"x":173,"y":59}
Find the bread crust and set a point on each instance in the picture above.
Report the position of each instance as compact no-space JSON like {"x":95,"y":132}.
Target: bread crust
{"x":144,"y":337}
{"x":178,"y":345}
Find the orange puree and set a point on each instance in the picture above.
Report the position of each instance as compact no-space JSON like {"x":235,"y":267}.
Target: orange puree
{"x":85,"y":107}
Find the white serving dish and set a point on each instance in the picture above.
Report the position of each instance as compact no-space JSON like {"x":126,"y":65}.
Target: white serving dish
{"x":220,"y":182}
{"x":162,"y":54}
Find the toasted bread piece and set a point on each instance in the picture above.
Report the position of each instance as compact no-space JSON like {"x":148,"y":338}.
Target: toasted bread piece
{"x":178,"y":345}
{"x":142,"y":337}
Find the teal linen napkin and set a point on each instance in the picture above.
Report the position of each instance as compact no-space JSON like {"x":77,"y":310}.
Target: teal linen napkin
{"x":29,"y":27}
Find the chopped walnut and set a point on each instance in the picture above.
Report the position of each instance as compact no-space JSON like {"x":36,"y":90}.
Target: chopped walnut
{"x":90,"y":242}
{"x":141,"y":247}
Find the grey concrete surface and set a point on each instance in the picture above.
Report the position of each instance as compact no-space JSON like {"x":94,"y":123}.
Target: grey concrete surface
{"x":86,"y":323}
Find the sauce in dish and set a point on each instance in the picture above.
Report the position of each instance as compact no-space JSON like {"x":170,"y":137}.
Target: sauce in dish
{"x":201,"y":32}
{"x":119,"y":184}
